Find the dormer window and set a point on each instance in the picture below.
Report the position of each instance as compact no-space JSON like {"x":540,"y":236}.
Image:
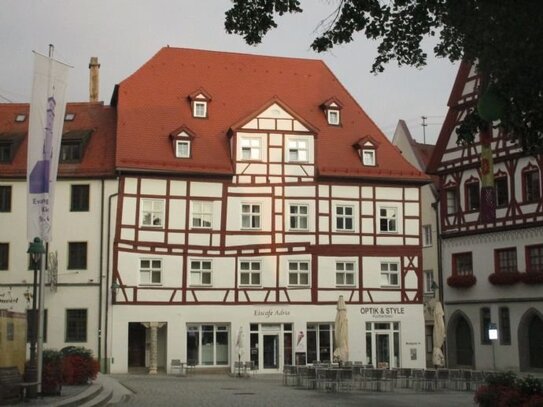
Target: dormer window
{"x":199,"y":103}
{"x":182,"y":140}
{"x":200,"y":109}
{"x":332,"y":109}
{"x":333,"y":117}
{"x":182,"y":148}
{"x":69,"y":117}
{"x":368,"y":157}
{"x":367,"y":149}
{"x":72,"y":146}
{"x":21,"y":117}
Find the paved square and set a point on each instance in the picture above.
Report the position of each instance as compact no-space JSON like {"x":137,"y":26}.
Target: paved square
{"x":268,"y":390}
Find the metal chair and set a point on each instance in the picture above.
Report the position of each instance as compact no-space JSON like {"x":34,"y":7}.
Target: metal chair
{"x":176,"y":366}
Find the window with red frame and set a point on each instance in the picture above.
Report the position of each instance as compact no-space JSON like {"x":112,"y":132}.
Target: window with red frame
{"x":534,"y":259}
{"x":506,"y":260}
{"x":462,"y":264}
{"x":452,"y":201}
{"x":502,"y":191}
{"x":472,"y":196}
{"x":531,"y":185}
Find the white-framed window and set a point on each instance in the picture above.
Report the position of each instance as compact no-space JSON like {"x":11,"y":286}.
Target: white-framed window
{"x":200,"y":272}
{"x":251,"y":148}
{"x":202,"y":214}
{"x":152,"y":212}
{"x":200,"y":109}
{"x":298,"y":273}
{"x":182,"y":148}
{"x":250,"y":216}
{"x":344,"y":217}
{"x":428,"y":281}
{"x":390,"y":274}
{"x":368,"y":157}
{"x":150,"y":272}
{"x":427,"y":235}
{"x":345,"y":274}
{"x":333,"y":117}
{"x":388,"y":219}
{"x":298,"y":217}
{"x":249,"y":272}
{"x":297,"y":150}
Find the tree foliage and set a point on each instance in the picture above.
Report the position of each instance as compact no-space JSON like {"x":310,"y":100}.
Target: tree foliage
{"x":502,"y":38}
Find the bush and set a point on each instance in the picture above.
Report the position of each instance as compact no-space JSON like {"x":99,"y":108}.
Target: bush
{"x":506,"y":390}
{"x":51,"y":375}
{"x":79,"y":366}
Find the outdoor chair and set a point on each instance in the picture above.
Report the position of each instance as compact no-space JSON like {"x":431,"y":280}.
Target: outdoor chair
{"x":477,"y":379}
{"x":307,"y":376}
{"x":176,"y":367}
{"x":325,"y":379}
{"x":373,"y":379}
{"x":402,"y":380}
{"x":456,"y":380}
{"x":388,"y":379}
{"x":345,"y":379}
{"x":290,"y":375}
{"x":417,"y":377}
{"x":442,"y":376}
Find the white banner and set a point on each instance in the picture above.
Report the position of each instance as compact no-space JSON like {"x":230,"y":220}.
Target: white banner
{"x":47,"y":110}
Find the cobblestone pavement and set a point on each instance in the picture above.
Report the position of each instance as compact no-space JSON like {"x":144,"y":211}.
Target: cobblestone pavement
{"x":268,"y":391}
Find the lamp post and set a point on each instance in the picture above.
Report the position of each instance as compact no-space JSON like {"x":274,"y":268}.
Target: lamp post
{"x":36,"y":250}
{"x":114,"y":291}
{"x":493,"y":336}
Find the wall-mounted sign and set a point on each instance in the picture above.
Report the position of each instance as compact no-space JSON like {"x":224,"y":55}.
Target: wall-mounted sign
{"x":382,"y":312}
{"x":6,"y":298}
{"x":270,"y":312}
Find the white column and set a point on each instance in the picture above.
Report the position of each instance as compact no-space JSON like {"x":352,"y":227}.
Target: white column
{"x":154,"y":326}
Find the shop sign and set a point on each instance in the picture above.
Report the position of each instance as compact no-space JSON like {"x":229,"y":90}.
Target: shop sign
{"x":270,"y":312}
{"x":6,"y":298}
{"x":382,"y":312}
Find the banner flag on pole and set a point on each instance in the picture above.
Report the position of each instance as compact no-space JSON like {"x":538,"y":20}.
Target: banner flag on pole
{"x":46,"y":120}
{"x":488,"y":194}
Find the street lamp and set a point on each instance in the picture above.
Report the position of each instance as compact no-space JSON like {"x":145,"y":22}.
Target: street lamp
{"x":36,"y":250}
{"x":493,"y":336}
{"x":114,"y":291}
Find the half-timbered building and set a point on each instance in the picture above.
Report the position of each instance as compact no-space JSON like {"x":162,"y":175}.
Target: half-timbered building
{"x":253,"y":192}
{"x":493,"y":265}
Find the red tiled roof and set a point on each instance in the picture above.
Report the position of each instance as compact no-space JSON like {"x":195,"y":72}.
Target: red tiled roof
{"x":153,"y":102}
{"x":99,"y":156}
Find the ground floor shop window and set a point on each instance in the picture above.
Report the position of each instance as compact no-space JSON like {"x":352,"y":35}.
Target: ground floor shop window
{"x":383,"y":344}
{"x":271,"y":345}
{"x":207,"y":344}
{"x":320,"y":342}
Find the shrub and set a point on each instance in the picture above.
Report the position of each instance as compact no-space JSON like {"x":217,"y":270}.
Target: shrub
{"x":506,"y":390}
{"x":79,"y":366}
{"x":51,"y":376}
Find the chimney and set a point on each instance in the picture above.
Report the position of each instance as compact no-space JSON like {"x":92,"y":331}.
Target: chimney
{"x":94,"y":79}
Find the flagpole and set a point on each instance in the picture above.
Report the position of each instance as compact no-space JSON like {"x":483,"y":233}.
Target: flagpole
{"x":41,"y":294}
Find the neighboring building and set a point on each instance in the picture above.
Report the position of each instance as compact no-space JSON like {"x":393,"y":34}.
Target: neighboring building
{"x":77,"y":255}
{"x":418,"y":154}
{"x":253,"y":192}
{"x":494,"y":270}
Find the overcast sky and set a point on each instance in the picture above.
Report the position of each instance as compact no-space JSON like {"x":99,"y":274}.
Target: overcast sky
{"x":124,"y":34}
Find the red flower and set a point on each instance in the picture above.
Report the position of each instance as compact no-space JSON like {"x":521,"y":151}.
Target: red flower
{"x":504,"y":278}
{"x":461,"y":280}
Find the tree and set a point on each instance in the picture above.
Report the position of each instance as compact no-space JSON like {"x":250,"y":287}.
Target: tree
{"x":501,"y":38}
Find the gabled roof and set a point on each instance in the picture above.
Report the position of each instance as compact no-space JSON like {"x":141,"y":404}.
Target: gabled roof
{"x":93,"y":121}
{"x":150,"y":105}
{"x":421,"y":151}
{"x":447,"y":130}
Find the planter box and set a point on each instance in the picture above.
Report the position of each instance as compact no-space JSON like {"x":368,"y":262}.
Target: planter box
{"x":461,"y":281}
{"x":534,"y":277}
{"x":509,"y":278}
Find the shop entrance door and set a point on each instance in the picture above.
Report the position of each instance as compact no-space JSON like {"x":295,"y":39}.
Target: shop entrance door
{"x":382,"y":350}
{"x":271,"y":351}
